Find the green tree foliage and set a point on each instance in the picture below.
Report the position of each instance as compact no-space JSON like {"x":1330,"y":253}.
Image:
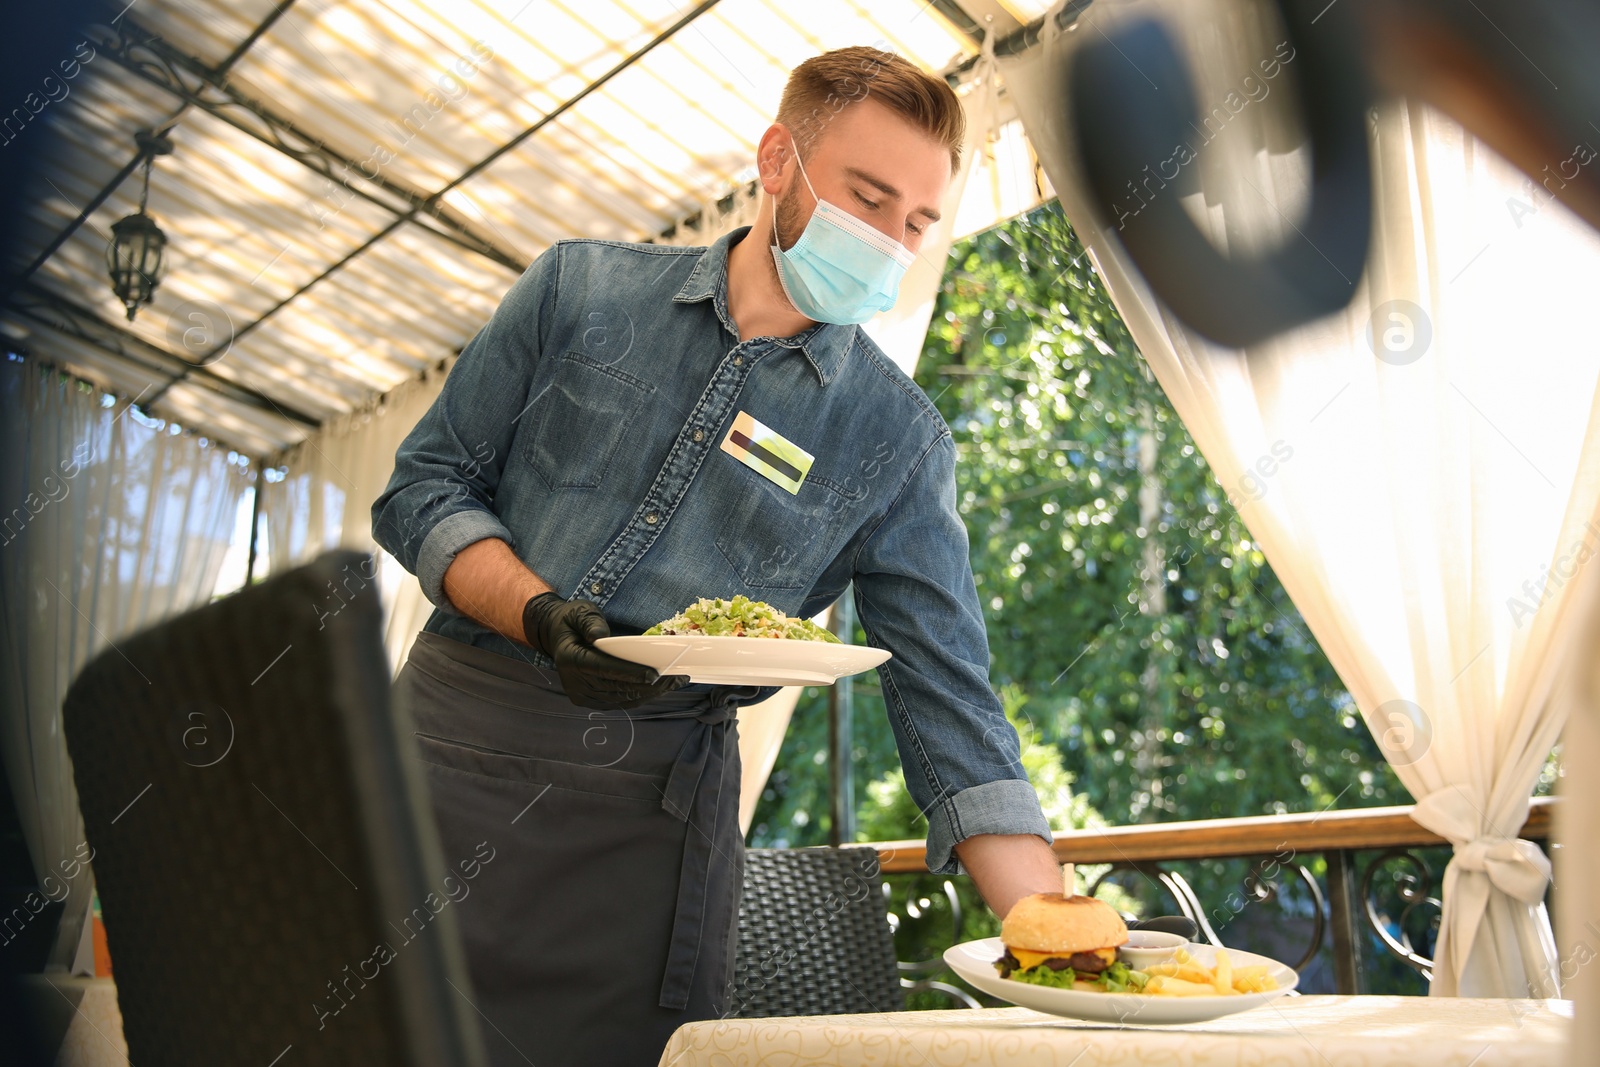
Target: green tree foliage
{"x":1124,"y":597}
{"x":889,"y":813}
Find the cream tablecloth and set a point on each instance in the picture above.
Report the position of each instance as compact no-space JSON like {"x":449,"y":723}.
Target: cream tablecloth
{"x":1312,"y":1031}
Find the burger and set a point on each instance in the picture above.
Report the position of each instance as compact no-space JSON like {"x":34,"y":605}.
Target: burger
{"x":1069,"y":942}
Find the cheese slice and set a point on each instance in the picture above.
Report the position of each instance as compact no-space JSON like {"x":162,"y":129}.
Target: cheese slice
{"x":1027,"y":959}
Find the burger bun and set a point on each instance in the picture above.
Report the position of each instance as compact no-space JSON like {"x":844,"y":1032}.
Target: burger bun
{"x":1050,"y":922}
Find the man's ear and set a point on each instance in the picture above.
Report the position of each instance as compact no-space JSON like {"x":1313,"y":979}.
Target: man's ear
{"x":773,"y":154}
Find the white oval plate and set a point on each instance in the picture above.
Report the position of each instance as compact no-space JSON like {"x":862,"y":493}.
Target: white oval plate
{"x":974,"y":962}
{"x":746,"y":660}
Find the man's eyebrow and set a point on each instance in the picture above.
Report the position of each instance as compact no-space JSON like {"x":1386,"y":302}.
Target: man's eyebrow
{"x":887,"y":189}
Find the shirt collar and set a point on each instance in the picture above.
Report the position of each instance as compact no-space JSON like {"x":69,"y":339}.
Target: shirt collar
{"x":825,"y":344}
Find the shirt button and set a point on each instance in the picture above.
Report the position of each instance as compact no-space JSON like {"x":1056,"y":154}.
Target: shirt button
{"x":652,"y":518}
{"x":699,"y":435}
{"x":595,"y":587}
{"x":738,"y":361}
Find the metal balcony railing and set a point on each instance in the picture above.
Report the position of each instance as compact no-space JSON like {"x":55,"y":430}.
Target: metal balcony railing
{"x":1350,"y":898}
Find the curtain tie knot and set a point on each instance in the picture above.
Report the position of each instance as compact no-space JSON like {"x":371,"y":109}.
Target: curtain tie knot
{"x":1516,"y":867}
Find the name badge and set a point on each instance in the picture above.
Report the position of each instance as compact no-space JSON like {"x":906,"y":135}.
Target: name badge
{"x":767,"y":452}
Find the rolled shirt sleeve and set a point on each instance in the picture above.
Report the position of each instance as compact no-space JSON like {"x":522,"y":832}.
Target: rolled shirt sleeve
{"x":916,"y":597}
{"x":439,"y":498}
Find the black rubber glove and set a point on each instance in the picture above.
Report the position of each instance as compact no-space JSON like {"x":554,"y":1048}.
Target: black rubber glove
{"x":566,"y":630}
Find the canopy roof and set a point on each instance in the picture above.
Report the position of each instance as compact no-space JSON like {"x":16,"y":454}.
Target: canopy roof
{"x":355,"y":185}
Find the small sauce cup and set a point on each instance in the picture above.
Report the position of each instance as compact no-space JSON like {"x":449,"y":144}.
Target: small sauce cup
{"x":1145,"y":948}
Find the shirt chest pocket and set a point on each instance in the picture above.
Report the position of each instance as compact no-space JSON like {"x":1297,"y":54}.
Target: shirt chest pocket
{"x":777,"y":540}
{"x":580,"y":418}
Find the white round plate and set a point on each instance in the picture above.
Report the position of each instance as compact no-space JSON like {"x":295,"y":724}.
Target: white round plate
{"x":974,"y":961}
{"x":746,"y":660}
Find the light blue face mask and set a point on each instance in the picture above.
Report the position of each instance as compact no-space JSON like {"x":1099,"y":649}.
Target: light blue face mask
{"x":841,"y":270}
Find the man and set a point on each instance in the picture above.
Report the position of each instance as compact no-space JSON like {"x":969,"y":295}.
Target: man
{"x":587,"y":470}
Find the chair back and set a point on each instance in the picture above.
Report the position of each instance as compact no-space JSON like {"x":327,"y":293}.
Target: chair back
{"x":268,"y":869}
{"x":814,"y":935}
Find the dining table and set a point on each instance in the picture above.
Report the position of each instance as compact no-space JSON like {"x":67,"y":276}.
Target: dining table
{"x":1292,"y":1031}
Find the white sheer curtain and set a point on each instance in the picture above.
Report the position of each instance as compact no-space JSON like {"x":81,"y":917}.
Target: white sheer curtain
{"x":1422,"y":471}
{"x":111,"y":525}
{"x":324,"y":500}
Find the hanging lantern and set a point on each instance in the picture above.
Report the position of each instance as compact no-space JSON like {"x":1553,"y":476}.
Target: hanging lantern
{"x":134,"y":259}
{"x":134,"y":255}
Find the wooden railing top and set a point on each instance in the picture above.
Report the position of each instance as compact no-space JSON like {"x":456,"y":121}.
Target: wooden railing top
{"x":1256,"y":835}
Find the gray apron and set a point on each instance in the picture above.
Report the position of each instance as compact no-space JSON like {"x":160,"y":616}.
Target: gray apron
{"x":606,"y":849}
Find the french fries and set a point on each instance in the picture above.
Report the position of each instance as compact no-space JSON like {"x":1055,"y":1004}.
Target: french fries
{"x":1223,"y":978}
{"x":1188,"y":972}
{"x":1188,"y":977}
{"x":1164,"y":986}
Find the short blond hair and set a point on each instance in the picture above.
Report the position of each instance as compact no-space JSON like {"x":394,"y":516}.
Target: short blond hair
{"x":824,"y":85}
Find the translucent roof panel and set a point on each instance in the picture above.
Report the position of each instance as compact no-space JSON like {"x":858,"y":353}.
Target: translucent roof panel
{"x":1027,"y":10}
{"x":355,"y":185}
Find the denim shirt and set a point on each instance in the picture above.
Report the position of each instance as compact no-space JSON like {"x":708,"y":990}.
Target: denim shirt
{"x":583,"y":425}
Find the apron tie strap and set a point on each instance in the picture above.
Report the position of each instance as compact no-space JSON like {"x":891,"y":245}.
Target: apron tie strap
{"x":693,"y":795}
{"x":691,"y":762}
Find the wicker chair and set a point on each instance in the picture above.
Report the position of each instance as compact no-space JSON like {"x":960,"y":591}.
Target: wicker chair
{"x":814,"y":938}
{"x":256,"y":827}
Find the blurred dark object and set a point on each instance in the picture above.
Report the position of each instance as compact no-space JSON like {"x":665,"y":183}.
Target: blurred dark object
{"x":267,"y":867}
{"x":35,"y":35}
{"x":1519,"y":74}
{"x":1169,"y":924}
{"x":30,"y":911}
{"x":32,"y":1026}
{"x":1134,"y":100}
{"x":814,"y":937}
{"x":36,"y":38}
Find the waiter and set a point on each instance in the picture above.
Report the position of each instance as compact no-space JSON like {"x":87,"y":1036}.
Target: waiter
{"x":638,"y":426}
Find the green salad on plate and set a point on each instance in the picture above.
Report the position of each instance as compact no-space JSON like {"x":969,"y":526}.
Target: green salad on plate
{"x":739,"y":617}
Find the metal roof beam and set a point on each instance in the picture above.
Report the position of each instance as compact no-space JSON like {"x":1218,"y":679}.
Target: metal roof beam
{"x":38,"y":304}
{"x":151,"y":58}
{"x":958,"y":15}
{"x":478,"y":167}
{"x":1020,"y":40}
